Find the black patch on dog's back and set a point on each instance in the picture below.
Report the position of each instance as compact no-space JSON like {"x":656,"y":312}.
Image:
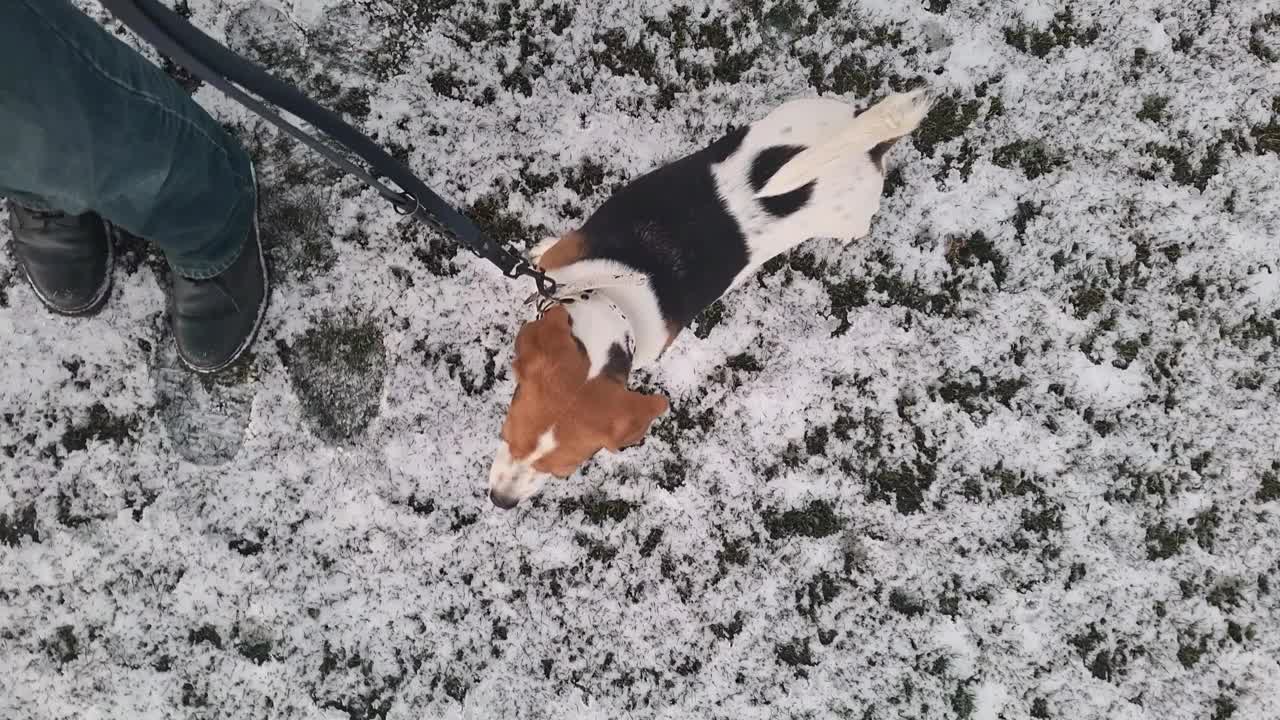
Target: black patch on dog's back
{"x":769,"y":161}
{"x":877,"y":153}
{"x":783,"y":205}
{"x":720,"y":150}
{"x":672,"y":225}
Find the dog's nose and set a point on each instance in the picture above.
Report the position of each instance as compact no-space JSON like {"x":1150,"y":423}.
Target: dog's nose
{"x":502,"y":501}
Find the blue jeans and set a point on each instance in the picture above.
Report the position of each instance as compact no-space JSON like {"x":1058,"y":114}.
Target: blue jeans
{"x":88,"y":124}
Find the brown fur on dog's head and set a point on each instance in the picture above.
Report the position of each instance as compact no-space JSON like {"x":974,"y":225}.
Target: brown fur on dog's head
{"x":559,"y":418}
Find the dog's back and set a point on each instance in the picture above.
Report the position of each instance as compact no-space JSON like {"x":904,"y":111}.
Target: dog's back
{"x":699,"y":225}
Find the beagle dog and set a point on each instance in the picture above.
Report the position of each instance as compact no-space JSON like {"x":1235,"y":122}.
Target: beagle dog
{"x":662,"y":249}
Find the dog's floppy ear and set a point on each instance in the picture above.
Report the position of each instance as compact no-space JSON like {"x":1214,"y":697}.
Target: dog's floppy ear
{"x":634,"y":414}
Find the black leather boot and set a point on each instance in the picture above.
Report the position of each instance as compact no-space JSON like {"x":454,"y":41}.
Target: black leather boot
{"x":66,"y":258}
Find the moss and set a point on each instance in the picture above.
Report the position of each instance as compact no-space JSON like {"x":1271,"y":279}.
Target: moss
{"x":1032,"y":156}
{"x":905,"y":484}
{"x":1062,"y":32}
{"x":64,"y":646}
{"x":1190,"y":651}
{"x":962,"y":702}
{"x":978,"y":251}
{"x":796,"y":654}
{"x":1226,"y":596}
{"x":1153,"y":108}
{"x":257,"y":652}
{"x":815,"y":594}
{"x":729,"y":630}
{"x":1205,"y":527}
{"x":597,"y":509}
{"x":1258,"y":45}
{"x":295,"y":217}
{"x":904,"y":603}
{"x":1026,"y":212}
{"x":337,"y":370}
{"x":708,"y":319}
{"x":1087,"y":300}
{"x":1126,"y":353}
{"x":491,"y":214}
{"x":1224,"y":708}
{"x":102,"y":426}
{"x":1043,"y":521}
{"x":974,"y":392}
{"x":1269,"y":484}
{"x":597,"y":551}
{"x":1178,"y":161}
{"x":1164,"y":541}
{"x":816,"y":520}
{"x":946,"y":121}
{"x":745,"y":362}
{"x":732,"y":552}
{"x":205,"y":634}
{"x":354,"y":103}
{"x":1266,"y":138}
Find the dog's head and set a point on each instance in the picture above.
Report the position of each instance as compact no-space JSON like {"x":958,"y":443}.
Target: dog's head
{"x":560,"y":416}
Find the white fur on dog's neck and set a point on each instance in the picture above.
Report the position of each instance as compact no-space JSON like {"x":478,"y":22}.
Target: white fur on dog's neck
{"x":598,"y":326}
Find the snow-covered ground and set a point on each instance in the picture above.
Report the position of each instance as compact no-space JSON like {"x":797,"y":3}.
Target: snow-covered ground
{"x":1015,"y":455}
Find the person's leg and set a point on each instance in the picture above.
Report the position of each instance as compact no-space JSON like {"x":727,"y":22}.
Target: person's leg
{"x":87,"y":124}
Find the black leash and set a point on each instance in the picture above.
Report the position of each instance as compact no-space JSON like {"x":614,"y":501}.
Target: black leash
{"x":208,"y":60}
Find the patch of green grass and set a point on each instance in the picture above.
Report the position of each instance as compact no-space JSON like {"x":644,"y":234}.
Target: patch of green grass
{"x":205,"y":634}
{"x":904,"y":484}
{"x":1164,"y":541}
{"x":1191,"y":650}
{"x":1153,"y":108}
{"x":818,"y":592}
{"x":745,"y":362}
{"x":257,"y":652}
{"x":1224,"y":708}
{"x":947,"y":120}
{"x":598,"y":509}
{"x":796,"y":654}
{"x":1040,"y":709}
{"x":1269,"y":484}
{"x":1205,"y":527}
{"x":491,"y":214}
{"x":1227,"y":596}
{"x":708,"y":319}
{"x":100,"y":425}
{"x":904,"y":603}
{"x":962,"y":701}
{"x":816,"y":520}
{"x":978,"y":251}
{"x":1266,"y":138}
{"x":1033,"y":156}
{"x":732,"y":552}
{"x":1062,"y":32}
{"x":1258,"y":44}
{"x":64,"y":646}
{"x":977,"y":394}
{"x":596,"y":551}
{"x":1087,"y":299}
{"x":729,"y":630}
{"x":1178,"y":161}
{"x":337,"y":370}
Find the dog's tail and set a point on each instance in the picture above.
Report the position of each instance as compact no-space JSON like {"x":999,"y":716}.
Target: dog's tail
{"x":874,"y":131}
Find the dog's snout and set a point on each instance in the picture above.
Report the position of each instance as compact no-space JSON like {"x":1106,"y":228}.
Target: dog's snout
{"x":503,"y":502}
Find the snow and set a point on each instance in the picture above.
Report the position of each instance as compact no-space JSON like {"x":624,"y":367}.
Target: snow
{"x":1015,"y":455}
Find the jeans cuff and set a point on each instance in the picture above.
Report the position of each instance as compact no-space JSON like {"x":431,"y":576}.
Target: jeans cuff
{"x":233,"y":241}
